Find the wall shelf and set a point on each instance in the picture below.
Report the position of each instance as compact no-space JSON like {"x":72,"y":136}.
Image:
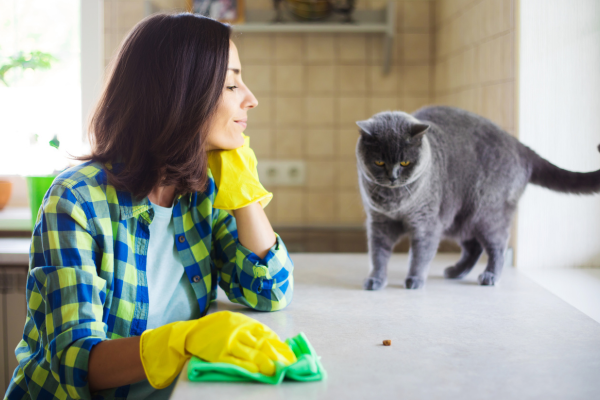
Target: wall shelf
{"x":381,"y":21}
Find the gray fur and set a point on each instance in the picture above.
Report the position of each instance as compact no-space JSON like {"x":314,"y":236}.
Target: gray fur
{"x":464,"y":181}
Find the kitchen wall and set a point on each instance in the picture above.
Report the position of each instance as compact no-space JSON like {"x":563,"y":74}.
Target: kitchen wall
{"x":311,"y":89}
{"x":475,"y":58}
{"x":474,"y":61}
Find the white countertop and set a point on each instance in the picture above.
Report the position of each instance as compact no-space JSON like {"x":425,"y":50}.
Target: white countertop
{"x":450,"y":340}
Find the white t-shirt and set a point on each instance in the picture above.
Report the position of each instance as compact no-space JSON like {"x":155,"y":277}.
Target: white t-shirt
{"x":170,"y":293}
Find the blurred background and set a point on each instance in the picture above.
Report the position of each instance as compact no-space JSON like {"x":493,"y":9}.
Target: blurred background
{"x":531,"y":66}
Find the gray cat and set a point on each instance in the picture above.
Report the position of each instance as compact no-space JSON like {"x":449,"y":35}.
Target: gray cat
{"x":446,"y":172}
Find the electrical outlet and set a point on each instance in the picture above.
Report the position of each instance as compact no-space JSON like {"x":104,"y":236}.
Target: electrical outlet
{"x":281,"y":172}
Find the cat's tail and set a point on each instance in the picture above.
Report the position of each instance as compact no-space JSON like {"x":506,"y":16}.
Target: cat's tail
{"x":548,"y":175}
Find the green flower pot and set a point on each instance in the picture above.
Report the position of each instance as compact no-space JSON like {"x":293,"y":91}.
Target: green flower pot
{"x":37,"y":187}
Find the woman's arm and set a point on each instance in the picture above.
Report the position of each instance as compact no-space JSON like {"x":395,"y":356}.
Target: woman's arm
{"x":115,"y":363}
{"x":254,"y":229}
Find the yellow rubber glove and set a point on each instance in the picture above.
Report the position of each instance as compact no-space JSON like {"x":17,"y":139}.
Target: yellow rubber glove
{"x":223,"y":336}
{"x":236,"y":178}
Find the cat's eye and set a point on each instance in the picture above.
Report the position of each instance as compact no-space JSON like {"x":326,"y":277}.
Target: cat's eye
{"x":379,"y":163}
{"x":404,"y":163}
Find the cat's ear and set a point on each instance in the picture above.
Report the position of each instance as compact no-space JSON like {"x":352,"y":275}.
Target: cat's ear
{"x":418,"y":130}
{"x":365,"y":126}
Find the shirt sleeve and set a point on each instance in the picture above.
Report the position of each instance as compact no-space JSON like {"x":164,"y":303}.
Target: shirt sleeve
{"x":65,"y":301}
{"x":264,"y":284}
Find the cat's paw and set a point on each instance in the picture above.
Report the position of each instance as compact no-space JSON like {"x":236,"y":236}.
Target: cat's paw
{"x":374,"y":283}
{"x":487,"y":279}
{"x":454,"y":273}
{"x":414,"y":282}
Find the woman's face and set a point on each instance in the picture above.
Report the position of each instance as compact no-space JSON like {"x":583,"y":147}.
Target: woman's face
{"x":231,"y":115}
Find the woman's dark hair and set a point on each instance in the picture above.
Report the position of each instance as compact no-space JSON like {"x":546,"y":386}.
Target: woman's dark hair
{"x":158,"y":102}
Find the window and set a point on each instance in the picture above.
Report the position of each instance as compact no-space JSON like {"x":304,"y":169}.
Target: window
{"x":40,"y":102}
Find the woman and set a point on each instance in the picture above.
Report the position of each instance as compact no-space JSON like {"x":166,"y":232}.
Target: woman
{"x":132,"y":241}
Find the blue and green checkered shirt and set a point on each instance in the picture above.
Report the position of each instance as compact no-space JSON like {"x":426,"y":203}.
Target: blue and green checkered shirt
{"x":87,"y":276}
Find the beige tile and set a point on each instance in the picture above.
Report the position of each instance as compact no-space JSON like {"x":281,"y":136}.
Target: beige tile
{"x":320,"y":143}
{"x":320,"y":111}
{"x":413,"y":103}
{"x":321,"y":174}
{"x":261,"y":141}
{"x":290,"y":206}
{"x":257,"y":49}
{"x":347,"y":175}
{"x":109,"y":17}
{"x":110,"y":45}
{"x":350,"y":209}
{"x":469,"y":99}
{"x":346,"y":143}
{"x":377,"y":4}
{"x":469,"y":67}
{"x":129,"y":13}
{"x":289,"y":112}
{"x":289,"y":79}
{"x":352,"y":109}
{"x":260,"y":4}
{"x":497,"y":103}
{"x":417,"y":47}
{"x":258,"y":78}
{"x":353,"y":48}
{"x":321,"y":78}
{"x":380,"y":103}
{"x":417,"y":79}
{"x":321,"y":207}
{"x":320,"y":48}
{"x":383,"y":84}
{"x":352,"y":79}
{"x":262,"y":114}
{"x":442,"y":77}
{"x":289,"y":143}
{"x":498,"y":16}
{"x":375,"y":48}
{"x":289,"y":48}
{"x":417,"y":15}
{"x":442,"y":41}
{"x":496,"y":59}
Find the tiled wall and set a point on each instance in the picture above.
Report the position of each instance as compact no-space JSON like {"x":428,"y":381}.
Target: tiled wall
{"x":475,"y":57}
{"x":474,"y":66}
{"x":311,"y":89}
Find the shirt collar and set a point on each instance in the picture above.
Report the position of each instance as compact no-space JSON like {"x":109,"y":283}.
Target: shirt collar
{"x":129,"y":207}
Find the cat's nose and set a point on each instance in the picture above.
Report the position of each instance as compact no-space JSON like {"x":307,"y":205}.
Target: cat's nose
{"x":392,"y":180}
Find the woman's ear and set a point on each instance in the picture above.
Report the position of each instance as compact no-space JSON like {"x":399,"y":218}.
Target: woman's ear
{"x":365,"y":126}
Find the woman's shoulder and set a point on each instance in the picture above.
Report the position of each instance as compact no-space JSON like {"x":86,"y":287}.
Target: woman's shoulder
{"x":88,"y":180}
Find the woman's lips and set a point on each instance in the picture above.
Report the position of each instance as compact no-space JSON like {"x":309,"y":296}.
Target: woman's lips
{"x":242,"y":123}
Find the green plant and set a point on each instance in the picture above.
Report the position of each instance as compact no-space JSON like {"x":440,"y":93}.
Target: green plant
{"x":33,"y":60}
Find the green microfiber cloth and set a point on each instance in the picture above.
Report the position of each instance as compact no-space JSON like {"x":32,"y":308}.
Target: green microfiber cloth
{"x":307,"y":368}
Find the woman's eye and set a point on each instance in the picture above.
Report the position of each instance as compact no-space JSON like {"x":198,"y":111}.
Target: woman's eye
{"x":379,"y":163}
{"x":404,"y":163}
{"x":231,"y":87}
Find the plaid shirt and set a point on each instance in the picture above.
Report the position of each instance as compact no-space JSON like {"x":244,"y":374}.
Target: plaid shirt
{"x":87,"y":276}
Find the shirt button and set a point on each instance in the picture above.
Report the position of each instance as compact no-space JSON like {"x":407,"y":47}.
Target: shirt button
{"x":181,"y":239}
{"x":196,"y":278}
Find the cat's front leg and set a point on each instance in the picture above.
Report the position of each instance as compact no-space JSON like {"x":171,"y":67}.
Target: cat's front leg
{"x":423,"y":247}
{"x":382,"y":237}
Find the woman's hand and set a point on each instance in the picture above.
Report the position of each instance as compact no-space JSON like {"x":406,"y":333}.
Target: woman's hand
{"x":239,"y":190}
{"x":236,"y":178}
{"x":220,"y":337}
